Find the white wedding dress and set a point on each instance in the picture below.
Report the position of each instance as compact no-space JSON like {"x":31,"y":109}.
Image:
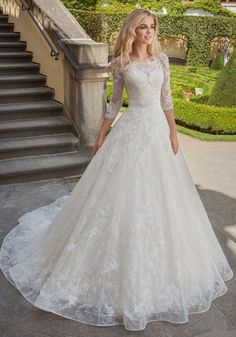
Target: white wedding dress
{"x":132,"y":243}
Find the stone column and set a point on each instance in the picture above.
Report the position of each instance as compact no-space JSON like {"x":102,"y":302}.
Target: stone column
{"x":85,"y":88}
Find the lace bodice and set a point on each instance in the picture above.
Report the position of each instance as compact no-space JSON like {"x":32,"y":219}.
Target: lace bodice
{"x":144,"y":82}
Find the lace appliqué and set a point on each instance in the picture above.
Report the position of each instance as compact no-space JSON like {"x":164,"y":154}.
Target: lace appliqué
{"x":149,"y":77}
{"x":114,"y":105}
{"x":166,"y":96}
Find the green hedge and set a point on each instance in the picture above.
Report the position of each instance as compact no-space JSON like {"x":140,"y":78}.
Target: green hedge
{"x":174,"y":7}
{"x":200,"y":99}
{"x":218,"y":62}
{"x":205,"y":118}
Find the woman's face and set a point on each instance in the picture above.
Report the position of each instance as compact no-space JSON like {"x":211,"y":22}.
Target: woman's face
{"x":145,"y":31}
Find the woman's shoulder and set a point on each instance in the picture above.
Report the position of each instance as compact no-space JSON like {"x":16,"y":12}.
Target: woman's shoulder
{"x":116,"y":60}
{"x":163,"y":56}
{"x":164,"y":59}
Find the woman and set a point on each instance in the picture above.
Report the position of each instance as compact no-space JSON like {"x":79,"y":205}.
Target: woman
{"x":132,"y":243}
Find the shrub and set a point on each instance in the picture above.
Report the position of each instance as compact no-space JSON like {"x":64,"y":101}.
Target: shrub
{"x":200,"y":99}
{"x":205,"y":118}
{"x":224,"y":91}
{"x":217,"y":63}
{"x":174,"y":7}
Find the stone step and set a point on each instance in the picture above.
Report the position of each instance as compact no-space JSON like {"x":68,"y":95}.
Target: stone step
{"x":28,"y":110}
{"x":13,"y":46}
{"x":34,"y":127}
{"x":12,"y":36}
{"x":19,"y":68}
{"x":3,"y":18}
{"x":16,"y":57}
{"x":26,"y":94}
{"x":6,"y":27}
{"x":37,"y":140}
{"x":22,"y":81}
{"x":37,"y":145}
{"x":44,"y":167}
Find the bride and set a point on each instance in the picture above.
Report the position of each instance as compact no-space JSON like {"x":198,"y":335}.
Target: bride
{"x":132,"y":243}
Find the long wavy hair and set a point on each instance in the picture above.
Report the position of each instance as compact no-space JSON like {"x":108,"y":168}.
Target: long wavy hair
{"x":127,"y":34}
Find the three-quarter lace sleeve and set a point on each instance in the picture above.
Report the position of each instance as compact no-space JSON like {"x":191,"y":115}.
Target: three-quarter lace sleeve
{"x":114,"y":105}
{"x":166,"y":96}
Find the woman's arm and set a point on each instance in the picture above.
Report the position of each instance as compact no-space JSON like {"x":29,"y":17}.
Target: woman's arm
{"x":171,"y":121}
{"x":167,"y":102}
{"x":114,"y":105}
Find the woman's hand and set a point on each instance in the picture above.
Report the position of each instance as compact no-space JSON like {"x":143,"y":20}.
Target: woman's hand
{"x":98,"y":142}
{"x":174,"y":142}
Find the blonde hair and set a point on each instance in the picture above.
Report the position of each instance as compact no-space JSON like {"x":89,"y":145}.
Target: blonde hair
{"x":125,"y":39}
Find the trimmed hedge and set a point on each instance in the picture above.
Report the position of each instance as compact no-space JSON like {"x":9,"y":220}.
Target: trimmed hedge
{"x":174,"y":7}
{"x":218,"y":62}
{"x":205,"y":118}
{"x":200,"y":99}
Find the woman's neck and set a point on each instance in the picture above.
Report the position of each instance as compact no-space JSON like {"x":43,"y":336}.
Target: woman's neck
{"x":139,"y":52}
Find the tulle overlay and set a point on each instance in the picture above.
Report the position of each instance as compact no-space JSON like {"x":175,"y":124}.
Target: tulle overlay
{"x":131,"y":244}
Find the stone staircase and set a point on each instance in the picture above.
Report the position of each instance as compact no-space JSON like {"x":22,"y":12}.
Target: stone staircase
{"x":37,"y":140}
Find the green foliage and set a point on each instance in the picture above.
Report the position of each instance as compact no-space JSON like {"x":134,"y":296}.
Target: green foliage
{"x":213,"y":6}
{"x":224,"y":91}
{"x":81,"y":4}
{"x":174,"y":7}
{"x":205,"y":118}
{"x":218,"y":62}
{"x":200,"y":99}
{"x":199,"y":32}
{"x":188,"y":78}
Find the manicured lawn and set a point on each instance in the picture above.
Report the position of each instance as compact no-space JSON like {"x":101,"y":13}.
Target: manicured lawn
{"x":186,"y":78}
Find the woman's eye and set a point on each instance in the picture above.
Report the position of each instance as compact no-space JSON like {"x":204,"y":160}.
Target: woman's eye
{"x":143,"y":27}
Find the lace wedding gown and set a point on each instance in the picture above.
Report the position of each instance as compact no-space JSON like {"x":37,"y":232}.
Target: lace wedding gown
{"x":132,"y":243}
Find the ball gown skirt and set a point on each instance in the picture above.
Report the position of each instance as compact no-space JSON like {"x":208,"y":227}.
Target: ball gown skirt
{"x":131,"y":244}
